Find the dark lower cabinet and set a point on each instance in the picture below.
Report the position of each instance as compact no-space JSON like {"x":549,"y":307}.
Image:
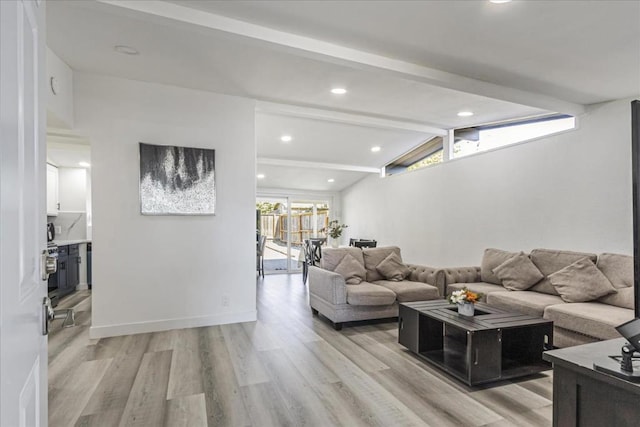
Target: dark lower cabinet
{"x":579,"y":400}
{"x":63,"y":262}
{"x":586,"y":397}
{"x":73,"y":267}
{"x":65,"y":280}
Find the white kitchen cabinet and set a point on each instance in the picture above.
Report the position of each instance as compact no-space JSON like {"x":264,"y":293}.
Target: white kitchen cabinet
{"x":72,"y":184}
{"x":52,"y":190}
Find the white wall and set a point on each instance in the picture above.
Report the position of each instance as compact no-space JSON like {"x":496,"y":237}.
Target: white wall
{"x":161,"y":272}
{"x":570,"y":191}
{"x":60,"y":104}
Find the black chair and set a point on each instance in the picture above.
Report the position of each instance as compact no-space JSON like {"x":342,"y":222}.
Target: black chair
{"x":312,"y":255}
{"x":316,"y":249}
{"x":260,"y":255}
{"x":352,"y":242}
{"x":365,"y":243}
{"x":306,"y":247}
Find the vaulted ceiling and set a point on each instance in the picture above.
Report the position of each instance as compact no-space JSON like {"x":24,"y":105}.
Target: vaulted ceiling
{"x":408,"y":66}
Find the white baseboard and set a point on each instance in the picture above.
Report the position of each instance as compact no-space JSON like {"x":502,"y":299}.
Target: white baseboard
{"x":96,"y":332}
{"x":82,"y":286}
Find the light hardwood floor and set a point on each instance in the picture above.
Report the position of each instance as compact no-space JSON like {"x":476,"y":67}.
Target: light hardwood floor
{"x":287,"y":369}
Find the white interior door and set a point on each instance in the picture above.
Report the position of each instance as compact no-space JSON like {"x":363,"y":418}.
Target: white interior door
{"x":23,"y":348}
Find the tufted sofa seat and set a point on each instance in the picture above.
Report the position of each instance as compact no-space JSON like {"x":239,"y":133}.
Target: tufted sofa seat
{"x":574,"y":322}
{"x":349,"y":284}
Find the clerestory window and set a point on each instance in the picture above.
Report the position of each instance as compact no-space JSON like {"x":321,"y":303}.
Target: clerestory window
{"x":480,"y":138}
{"x":483,"y":138}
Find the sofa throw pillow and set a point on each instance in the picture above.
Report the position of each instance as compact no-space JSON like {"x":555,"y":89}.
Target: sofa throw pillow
{"x":518,"y":273}
{"x":331,"y":257}
{"x":617,"y":268}
{"x":490,"y":260}
{"x":581,"y":281}
{"x":549,"y":261}
{"x":352,"y":271}
{"x":392,"y":268}
{"x":373,"y":257}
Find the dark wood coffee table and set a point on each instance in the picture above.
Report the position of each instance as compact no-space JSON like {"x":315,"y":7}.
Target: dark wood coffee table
{"x":491,"y":346}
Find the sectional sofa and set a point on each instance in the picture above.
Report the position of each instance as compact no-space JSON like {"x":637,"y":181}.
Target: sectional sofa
{"x":585,"y":295}
{"x":361,"y":284}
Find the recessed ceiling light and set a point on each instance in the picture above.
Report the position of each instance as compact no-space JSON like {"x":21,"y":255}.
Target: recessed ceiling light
{"x":499,"y":1}
{"x":375,"y":149}
{"x":127,"y":50}
{"x":465,"y":114}
{"x":286,"y":138}
{"x":331,"y":180}
{"x":84,"y":164}
{"x":338,"y":91}
{"x":260,"y":176}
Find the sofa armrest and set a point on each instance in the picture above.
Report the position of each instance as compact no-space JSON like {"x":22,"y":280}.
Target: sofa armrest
{"x":327,"y":285}
{"x":429,"y":275}
{"x":461,"y":275}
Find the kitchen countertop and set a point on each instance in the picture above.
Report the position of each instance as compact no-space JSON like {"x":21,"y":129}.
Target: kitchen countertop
{"x":71,"y":242}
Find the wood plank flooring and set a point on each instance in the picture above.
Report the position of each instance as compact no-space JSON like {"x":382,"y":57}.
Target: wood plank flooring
{"x":287,"y":369}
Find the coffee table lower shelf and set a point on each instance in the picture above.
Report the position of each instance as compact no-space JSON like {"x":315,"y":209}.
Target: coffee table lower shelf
{"x":510,"y":369}
{"x":494,"y":346}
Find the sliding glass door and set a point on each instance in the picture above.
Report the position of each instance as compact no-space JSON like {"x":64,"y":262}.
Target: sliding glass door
{"x":270,"y":212}
{"x":308,"y":218}
{"x":286,"y":222}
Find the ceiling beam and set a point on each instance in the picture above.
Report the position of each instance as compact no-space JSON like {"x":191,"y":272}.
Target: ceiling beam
{"x":347,"y":118}
{"x":64,"y":145}
{"x":66,"y":136}
{"x":316,"y":165}
{"x":335,"y":53}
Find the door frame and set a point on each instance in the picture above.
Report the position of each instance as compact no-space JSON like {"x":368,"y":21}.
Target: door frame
{"x":298,"y":196}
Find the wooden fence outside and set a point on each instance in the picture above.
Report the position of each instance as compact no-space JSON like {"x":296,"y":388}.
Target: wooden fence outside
{"x":274,"y":226}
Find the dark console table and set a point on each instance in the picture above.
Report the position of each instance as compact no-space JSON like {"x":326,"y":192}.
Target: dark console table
{"x":493,"y":345}
{"x":583,"y":396}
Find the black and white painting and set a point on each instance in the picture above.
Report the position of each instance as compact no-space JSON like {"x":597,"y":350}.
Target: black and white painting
{"x":177,"y":180}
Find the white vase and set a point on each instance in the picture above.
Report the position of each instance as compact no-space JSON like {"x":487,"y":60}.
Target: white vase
{"x":334,"y":242}
{"x":466,"y":309}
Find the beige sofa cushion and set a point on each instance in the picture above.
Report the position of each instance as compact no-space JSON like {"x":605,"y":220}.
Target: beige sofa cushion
{"x":392,"y":268}
{"x":477,"y":287}
{"x":490,"y":260}
{"x":581,"y":282}
{"x":549,"y":261}
{"x":373,"y":257}
{"x":527,"y":302}
{"x":410,"y":291}
{"x":331,"y":257}
{"x":623,"y":298}
{"x":352,"y":270}
{"x":589,"y":318}
{"x":369,"y":294}
{"x":618,"y":269}
{"x":518,"y":273}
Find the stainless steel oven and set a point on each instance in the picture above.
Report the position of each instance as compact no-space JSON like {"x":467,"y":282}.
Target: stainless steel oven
{"x":52,"y":250}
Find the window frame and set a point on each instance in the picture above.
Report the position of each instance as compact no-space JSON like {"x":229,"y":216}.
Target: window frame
{"x":447,"y":143}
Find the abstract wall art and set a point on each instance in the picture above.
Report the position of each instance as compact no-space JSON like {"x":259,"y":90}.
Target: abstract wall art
{"x":177,"y":180}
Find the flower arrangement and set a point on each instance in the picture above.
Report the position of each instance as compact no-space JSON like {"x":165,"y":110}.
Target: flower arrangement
{"x":464,"y":296}
{"x":334,"y":229}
